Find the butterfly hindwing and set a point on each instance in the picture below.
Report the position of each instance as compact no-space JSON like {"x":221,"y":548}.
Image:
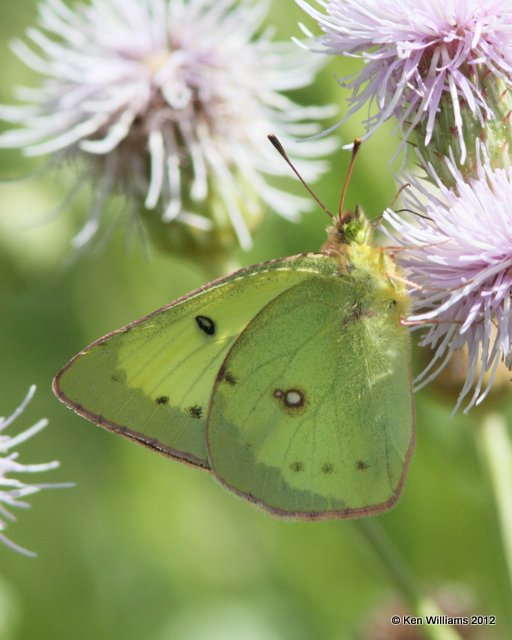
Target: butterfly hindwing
{"x":312,"y":412}
{"x":151,"y":381}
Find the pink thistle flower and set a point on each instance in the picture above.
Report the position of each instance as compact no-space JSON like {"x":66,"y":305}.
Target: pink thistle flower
{"x":461,"y":265}
{"x":13,"y":490}
{"x":169,"y":102}
{"x":418,"y":52}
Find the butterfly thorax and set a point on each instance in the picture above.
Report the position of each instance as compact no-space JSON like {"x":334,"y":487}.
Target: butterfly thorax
{"x":350,"y":241}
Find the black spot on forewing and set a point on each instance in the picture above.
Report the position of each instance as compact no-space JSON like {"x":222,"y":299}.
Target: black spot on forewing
{"x":118,"y":376}
{"x":207,"y":325}
{"x":327,"y":468}
{"x":361,"y":465}
{"x":297,"y":466}
{"x":195,"y":411}
{"x":162,"y":400}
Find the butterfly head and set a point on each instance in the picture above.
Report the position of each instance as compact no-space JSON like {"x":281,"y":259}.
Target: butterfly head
{"x":352,"y":228}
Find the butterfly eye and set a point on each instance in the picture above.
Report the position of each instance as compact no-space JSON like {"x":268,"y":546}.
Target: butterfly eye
{"x":392,"y":304}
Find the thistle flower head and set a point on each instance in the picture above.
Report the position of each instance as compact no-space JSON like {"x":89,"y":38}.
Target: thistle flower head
{"x":428,"y":62}
{"x":170,"y":103}
{"x":13,"y":490}
{"x":458,"y":254}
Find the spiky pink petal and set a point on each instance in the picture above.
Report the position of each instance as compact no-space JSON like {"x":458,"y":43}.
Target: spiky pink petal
{"x":458,"y":253}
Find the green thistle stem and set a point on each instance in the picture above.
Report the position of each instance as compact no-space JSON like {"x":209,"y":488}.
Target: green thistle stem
{"x":494,"y":443}
{"x":419,"y":604}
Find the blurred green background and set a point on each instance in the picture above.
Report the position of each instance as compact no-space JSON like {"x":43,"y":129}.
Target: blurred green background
{"x":146,"y":548}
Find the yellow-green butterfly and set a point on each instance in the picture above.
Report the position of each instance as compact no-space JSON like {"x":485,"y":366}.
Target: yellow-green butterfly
{"x":289,"y":380}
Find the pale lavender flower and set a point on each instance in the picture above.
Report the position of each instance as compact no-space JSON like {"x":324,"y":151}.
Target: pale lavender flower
{"x":13,"y":490}
{"x":170,"y":102}
{"x":457,"y":252}
{"x":416,"y":53}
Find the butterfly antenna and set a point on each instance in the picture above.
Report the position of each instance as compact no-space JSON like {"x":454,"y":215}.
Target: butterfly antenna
{"x":273,"y":139}
{"x":355,"y":148}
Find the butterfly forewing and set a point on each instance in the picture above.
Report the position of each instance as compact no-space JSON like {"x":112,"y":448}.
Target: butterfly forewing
{"x":312,"y":415}
{"x":152,"y":380}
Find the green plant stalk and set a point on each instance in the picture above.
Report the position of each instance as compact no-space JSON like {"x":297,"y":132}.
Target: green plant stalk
{"x":420,"y":605}
{"x":495,"y":446}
